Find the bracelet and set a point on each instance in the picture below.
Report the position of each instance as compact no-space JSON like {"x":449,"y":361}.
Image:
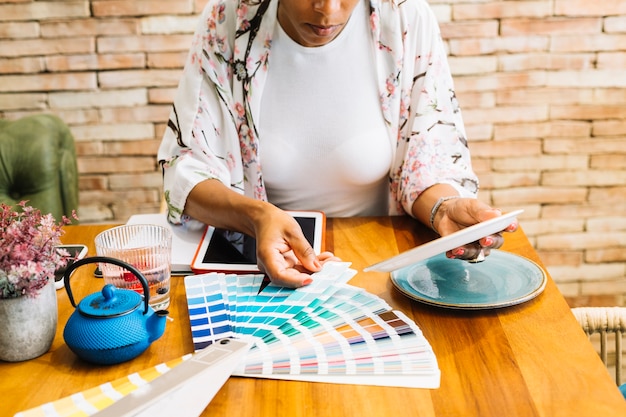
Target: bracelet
{"x":435,"y":209}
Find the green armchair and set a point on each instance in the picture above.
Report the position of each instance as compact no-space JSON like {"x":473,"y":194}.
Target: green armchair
{"x":38,"y":164}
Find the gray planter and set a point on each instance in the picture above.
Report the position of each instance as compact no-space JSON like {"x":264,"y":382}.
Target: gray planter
{"x":28,"y":325}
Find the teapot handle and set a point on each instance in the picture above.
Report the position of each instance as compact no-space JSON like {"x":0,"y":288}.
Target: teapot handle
{"x":106,"y":260}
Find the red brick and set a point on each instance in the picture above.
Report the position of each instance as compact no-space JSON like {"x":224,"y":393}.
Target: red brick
{"x":500,"y":81}
{"x":547,"y":61}
{"x":613,"y":197}
{"x":93,"y":182}
{"x":609,"y":128}
{"x":77,"y":116}
{"x":47,"y":82}
{"x":615,"y":24}
{"x":588,"y":112}
{"x":589,"y":78}
{"x":111,"y":132}
{"x":153,"y":113}
{"x":43,"y":10}
{"x":118,"y":164}
{"x":17,"y":30}
{"x":168,"y":24}
{"x":59,"y":63}
{"x":139,"y":7}
{"x":133,"y":181}
{"x":506,"y":148}
{"x":507,"y":114}
{"x":552,"y":129}
{"x":544,"y":195}
{"x":550,"y":26}
{"x":475,"y":29}
{"x":600,"y":42}
{"x":573,"y":258}
{"x":89,"y":148}
{"x":541,"y":163}
{"x":511,"y":44}
{"x":580,"y":146}
{"x":30,"y":47}
{"x":147,"y":147}
{"x":586,"y":178}
{"x":21,"y":101}
{"x":88,"y":27}
{"x":139,"y":78}
{"x":99,"y":98}
{"x":611,"y":60}
{"x":145,"y":43}
{"x":161,"y":95}
{"x":499,"y":9}
{"x":587,"y":8}
{"x":171,"y":60}
{"x":544,"y":95}
{"x":21,"y":65}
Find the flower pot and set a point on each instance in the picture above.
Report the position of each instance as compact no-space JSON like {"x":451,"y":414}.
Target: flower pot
{"x":28,"y":324}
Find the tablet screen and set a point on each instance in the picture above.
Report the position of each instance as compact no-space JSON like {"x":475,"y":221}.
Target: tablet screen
{"x":228,"y":251}
{"x":226,"y":247}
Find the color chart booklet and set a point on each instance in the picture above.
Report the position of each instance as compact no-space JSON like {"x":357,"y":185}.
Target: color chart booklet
{"x":328,"y":331}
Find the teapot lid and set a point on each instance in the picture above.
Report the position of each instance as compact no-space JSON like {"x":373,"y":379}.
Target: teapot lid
{"x":111,"y":302}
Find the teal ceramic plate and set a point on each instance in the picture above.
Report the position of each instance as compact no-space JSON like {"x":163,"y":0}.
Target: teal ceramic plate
{"x":501,"y":280}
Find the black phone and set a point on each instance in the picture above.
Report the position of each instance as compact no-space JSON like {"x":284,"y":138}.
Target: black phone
{"x":76,"y":251}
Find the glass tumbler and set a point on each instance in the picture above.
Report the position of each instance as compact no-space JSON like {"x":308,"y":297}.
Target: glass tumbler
{"x":148,"y":248}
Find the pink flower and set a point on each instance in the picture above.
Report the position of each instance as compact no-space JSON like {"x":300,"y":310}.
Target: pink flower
{"x":28,"y":253}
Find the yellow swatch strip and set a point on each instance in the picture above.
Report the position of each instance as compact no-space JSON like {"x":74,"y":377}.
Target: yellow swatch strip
{"x":88,"y":402}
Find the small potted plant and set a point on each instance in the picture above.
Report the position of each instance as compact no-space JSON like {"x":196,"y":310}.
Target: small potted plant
{"x":28,"y":258}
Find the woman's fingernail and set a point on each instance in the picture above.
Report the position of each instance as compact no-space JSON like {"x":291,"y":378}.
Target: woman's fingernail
{"x":307,"y":281}
{"x":488,"y":241}
{"x":458,"y":252}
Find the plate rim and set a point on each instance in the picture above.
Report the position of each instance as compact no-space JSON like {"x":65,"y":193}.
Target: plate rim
{"x":479,"y":306}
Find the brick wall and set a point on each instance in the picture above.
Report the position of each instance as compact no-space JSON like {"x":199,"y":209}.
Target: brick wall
{"x":542,"y":85}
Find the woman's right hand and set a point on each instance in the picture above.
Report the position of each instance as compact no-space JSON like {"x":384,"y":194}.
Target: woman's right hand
{"x":284,"y":253}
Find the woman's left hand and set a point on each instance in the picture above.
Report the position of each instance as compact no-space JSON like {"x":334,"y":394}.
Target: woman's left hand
{"x":459,"y":213}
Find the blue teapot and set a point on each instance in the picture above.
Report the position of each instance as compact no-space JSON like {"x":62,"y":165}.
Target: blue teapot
{"x":109,"y":327}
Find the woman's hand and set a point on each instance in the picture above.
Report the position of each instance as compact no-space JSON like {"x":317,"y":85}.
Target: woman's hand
{"x":284,"y":253}
{"x":459,"y":213}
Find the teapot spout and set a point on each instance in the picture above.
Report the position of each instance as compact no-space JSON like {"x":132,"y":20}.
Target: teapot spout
{"x":155,"y":324}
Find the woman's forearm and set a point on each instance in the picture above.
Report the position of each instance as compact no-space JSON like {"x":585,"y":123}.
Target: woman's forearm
{"x":213,"y":203}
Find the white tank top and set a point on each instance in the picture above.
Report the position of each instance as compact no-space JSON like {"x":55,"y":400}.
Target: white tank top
{"x":323,"y":144}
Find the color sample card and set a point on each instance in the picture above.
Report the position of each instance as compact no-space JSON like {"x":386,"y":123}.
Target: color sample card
{"x":91,"y":401}
{"x":327,"y":331}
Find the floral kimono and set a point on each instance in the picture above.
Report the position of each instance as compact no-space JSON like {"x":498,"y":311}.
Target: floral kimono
{"x":212,"y":131}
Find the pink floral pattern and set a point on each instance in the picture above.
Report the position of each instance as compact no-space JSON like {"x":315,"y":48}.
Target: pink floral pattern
{"x":212,"y":133}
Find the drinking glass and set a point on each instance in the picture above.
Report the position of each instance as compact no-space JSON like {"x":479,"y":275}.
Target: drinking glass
{"x":148,"y":248}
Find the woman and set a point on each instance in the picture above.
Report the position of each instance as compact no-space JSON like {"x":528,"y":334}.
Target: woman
{"x":344,"y":106}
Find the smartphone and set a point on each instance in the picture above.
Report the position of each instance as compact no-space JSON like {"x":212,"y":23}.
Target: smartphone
{"x":226,"y":251}
{"x":76,"y":251}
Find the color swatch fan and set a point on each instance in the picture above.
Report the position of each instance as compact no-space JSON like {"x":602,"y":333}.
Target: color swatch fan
{"x":328,"y":331}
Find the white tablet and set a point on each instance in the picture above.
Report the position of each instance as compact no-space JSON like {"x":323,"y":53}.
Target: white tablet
{"x":446,"y":243}
{"x":226,"y":251}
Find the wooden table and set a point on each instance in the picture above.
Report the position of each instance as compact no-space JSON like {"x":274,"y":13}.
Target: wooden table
{"x":526,"y":360}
